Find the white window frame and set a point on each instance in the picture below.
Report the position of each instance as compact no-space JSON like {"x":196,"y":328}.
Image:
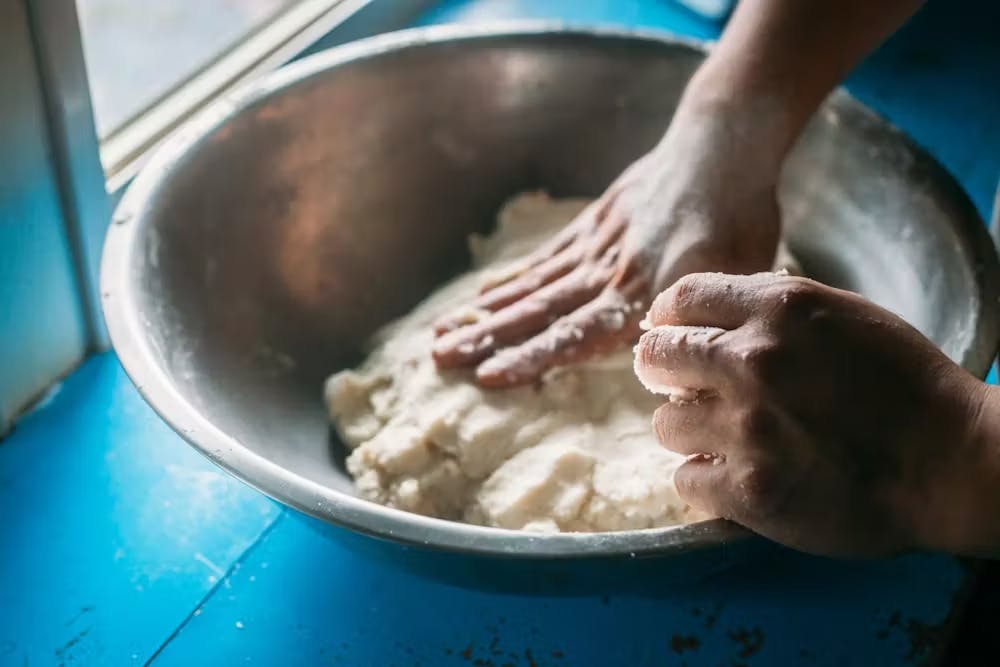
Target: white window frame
{"x":285,"y":37}
{"x":90,"y":175}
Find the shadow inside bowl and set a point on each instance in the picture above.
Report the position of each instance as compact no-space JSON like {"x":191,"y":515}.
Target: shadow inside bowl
{"x":265,"y":244}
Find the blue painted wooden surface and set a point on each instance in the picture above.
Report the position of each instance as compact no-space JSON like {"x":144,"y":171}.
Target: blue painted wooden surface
{"x":113,"y":528}
{"x":299,"y":598}
{"x":121,"y":545}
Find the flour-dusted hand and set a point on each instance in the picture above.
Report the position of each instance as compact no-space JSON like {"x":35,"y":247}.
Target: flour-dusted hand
{"x":686,"y":206}
{"x":814,"y":417}
{"x":702,"y":200}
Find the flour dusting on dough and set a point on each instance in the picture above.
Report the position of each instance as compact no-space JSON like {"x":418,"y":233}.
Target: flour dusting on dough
{"x":575,"y":453}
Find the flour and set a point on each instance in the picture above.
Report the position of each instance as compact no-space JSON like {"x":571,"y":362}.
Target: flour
{"x":575,"y":453}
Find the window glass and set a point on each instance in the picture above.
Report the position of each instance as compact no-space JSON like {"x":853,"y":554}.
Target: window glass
{"x":137,"y":51}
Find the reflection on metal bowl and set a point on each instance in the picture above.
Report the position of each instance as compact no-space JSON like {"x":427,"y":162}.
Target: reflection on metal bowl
{"x":264,"y":243}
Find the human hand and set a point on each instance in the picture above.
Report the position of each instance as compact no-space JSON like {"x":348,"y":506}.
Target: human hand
{"x":817,"y":418}
{"x":701,"y":200}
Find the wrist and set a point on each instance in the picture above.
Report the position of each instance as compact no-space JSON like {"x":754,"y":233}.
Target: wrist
{"x":958,"y":510}
{"x":981,"y":536}
{"x":732,"y":128}
{"x":765,"y":117}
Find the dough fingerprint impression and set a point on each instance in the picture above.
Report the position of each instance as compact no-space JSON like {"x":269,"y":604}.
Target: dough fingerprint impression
{"x":575,"y":453}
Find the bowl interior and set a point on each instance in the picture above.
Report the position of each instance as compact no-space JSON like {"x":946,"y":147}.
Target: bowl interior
{"x":327,"y":205}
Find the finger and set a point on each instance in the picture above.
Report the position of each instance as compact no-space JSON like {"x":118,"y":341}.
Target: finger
{"x":519,"y":321}
{"x":609,"y":232}
{"x":555,"y":260}
{"x":542,"y":275}
{"x":598,"y":327}
{"x":509,"y":292}
{"x":693,"y":427}
{"x":682,"y":363}
{"x":563,"y":239}
{"x":755,"y":491}
{"x":705,"y":484}
{"x":710,"y":299}
{"x":517,"y":268}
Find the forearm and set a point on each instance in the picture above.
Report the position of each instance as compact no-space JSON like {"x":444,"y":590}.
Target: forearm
{"x":778,"y":59}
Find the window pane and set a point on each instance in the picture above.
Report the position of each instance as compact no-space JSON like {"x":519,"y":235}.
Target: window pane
{"x":137,"y":51}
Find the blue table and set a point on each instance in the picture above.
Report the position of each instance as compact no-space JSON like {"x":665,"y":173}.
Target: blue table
{"x":123,"y":546}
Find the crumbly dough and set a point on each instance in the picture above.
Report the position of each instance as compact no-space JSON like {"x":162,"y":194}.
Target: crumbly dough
{"x":575,"y":453}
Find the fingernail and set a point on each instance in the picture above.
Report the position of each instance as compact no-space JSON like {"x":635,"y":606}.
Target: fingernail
{"x":706,"y":457}
{"x":484,"y":344}
{"x":497,"y":379}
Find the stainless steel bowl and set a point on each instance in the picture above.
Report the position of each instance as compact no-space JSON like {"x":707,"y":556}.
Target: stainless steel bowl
{"x":263,"y":244}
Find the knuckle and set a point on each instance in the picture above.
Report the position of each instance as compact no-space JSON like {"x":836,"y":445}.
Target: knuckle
{"x":564,"y":334}
{"x":797,"y":297}
{"x":653,"y":347}
{"x":661,"y":425}
{"x":763,"y":360}
{"x":683,"y":292}
{"x":707,"y":343}
{"x":597,"y":275}
{"x":677,"y":303}
{"x":643,"y":349}
{"x":672,"y":302}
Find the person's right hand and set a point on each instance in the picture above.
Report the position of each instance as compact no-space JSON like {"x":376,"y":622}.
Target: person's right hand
{"x":702,"y":200}
{"x":819,"y":419}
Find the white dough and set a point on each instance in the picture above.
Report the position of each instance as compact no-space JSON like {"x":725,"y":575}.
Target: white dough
{"x":576,"y":453}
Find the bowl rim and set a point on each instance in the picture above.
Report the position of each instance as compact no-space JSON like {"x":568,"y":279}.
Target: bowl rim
{"x":118,"y":298}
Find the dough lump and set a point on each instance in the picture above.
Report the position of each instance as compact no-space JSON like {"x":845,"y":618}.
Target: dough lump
{"x":575,"y":453}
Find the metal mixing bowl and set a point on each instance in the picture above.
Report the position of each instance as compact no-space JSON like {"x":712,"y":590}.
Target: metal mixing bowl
{"x":263,"y":244}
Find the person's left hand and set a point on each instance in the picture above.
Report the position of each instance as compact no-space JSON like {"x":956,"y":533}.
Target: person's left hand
{"x":815,"y":417}
{"x":703,"y":199}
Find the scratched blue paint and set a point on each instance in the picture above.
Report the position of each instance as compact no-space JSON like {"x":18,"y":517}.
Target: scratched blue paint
{"x":113,"y":528}
{"x":301,"y":599}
